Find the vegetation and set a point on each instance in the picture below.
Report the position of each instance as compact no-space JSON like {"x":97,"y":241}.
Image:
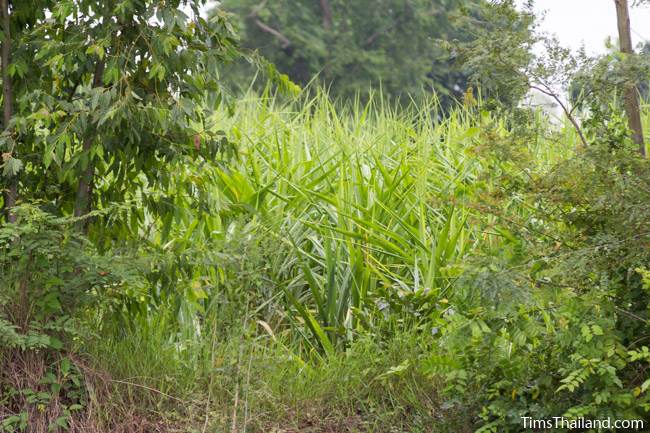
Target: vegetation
{"x":175,"y":258}
{"x":408,"y":48}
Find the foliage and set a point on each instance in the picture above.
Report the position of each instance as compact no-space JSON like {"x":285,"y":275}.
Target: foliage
{"x":315,"y":243}
{"x":406,"y":47}
{"x":349,"y":266}
{"x":352,"y":247}
{"x":608,"y":73}
{"x":499,"y":54}
{"x":572,"y":342}
{"x":50,"y":275}
{"x":106,"y":93}
{"x":325,"y":237}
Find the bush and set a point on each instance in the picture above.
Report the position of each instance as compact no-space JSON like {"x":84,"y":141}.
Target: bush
{"x":50,"y":276}
{"x":573,"y":342}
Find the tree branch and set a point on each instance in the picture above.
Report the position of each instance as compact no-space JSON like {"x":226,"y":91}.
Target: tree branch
{"x":284,"y":41}
{"x":568,"y":113}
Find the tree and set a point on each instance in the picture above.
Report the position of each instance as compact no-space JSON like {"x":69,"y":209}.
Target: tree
{"x":351,"y":46}
{"x":499,"y":55}
{"x":109,"y":91}
{"x":631,"y":95}
{"x":7,"y":102}
{"x":16,"y":19}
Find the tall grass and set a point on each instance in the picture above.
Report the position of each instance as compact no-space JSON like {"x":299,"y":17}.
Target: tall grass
{"x":367,"y":205}
{"x":360,"y":207}
{"x":327,"y":229}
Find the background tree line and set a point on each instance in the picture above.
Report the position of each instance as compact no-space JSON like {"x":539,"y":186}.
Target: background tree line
{"x":405,"y":47}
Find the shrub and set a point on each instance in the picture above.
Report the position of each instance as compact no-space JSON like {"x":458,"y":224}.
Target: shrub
{"x":50,"y":276}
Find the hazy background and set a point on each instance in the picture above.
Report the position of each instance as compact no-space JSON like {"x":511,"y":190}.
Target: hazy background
{"x":590,"y":22}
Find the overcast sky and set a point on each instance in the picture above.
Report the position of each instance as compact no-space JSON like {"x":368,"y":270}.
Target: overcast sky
{"x":589,"y":22}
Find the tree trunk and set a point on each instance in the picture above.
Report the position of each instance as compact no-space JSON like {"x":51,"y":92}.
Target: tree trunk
{"x":326,"y":10}
{"x":631,"y":96}
{"x":85,"y":188}
{"x":11,"y":192}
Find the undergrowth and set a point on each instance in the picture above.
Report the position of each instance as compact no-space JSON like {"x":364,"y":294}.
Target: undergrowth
{"x":350,"y":269}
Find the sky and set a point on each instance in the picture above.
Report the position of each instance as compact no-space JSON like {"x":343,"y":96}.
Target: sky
{"x":590,"y":22}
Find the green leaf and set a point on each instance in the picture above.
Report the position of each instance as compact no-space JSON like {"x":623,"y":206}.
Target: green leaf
{"x":158,"y":71}
{"x":61,"y":421}
{"x":55,"y":343}
{"x":645,"y":385}
{"x":98,"y":50}
{"x":12,"y":167}
{"x":597,"y":330}
{"x":65,"y":366}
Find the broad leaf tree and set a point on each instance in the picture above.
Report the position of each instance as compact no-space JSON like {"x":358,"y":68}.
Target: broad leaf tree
{"x":108,"y":92}
{"x":351,"y":46}
{"x":19,"y":76}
